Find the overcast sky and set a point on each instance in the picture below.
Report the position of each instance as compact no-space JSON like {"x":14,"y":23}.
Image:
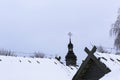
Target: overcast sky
{"x":42,"y":25}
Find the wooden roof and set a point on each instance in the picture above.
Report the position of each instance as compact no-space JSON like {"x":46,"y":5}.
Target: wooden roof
{"x":85,"y":65}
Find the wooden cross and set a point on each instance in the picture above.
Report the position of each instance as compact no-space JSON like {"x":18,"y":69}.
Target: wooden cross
{"x":90,"y":52}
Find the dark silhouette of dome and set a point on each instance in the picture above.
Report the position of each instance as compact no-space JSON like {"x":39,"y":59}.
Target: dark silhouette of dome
{"x":70,"y":45}
{"x":70,"y":57}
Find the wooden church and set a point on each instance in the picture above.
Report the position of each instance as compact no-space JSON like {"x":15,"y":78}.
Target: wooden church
{"x":70,"y":57}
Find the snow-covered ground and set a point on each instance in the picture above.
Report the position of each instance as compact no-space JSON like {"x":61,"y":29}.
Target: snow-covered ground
{"x":19,"y":68}
{"x":112,"y":61}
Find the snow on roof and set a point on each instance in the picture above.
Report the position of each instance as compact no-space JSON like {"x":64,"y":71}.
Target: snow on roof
{"x":112,"y":61}
{"x":19,"y":68}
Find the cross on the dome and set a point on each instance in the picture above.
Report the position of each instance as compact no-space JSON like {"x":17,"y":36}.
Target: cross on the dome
{"x":70,"y":34}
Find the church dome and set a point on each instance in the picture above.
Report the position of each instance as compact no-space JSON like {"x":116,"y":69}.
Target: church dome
{"x":70,"y":45}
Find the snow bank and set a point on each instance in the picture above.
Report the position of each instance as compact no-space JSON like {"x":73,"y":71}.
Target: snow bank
{"x":19,"y":68}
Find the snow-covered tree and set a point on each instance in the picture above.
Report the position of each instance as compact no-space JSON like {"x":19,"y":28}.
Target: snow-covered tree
{"x":101,"y":49}
{"x":115,"y":31}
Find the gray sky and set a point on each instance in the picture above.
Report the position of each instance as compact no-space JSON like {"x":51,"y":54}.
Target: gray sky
{"x":43,"y":25}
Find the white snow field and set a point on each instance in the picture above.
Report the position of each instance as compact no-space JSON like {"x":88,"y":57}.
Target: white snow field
{"x":112,"y":61}
{"x":19,"y":68}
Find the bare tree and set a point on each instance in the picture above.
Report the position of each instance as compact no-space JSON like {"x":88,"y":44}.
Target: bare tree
{"x":115,"y":31}
{"x":7,"y":52}
{"x":38,"y":55}
{"x":101,"y":49}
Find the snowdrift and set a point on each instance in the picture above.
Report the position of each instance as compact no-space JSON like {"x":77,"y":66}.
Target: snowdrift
{"x":19,"y":68}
